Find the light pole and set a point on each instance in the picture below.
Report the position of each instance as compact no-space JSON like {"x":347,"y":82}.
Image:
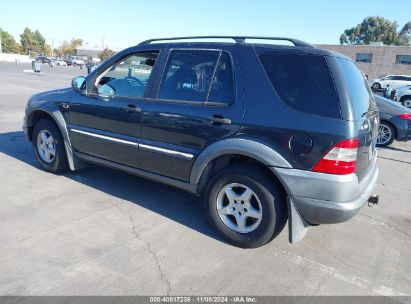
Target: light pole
{"x":53,"y":39}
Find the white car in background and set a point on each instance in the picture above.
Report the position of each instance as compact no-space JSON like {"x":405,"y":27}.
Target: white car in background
{"x":403,"y":95}
{"x":61,"y":62}
{"x":78,"y":62}
{"x":395,"y":81}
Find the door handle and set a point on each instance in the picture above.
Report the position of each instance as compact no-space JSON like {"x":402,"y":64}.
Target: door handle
{"x":219,"y":119}
{"x":131,"y":108}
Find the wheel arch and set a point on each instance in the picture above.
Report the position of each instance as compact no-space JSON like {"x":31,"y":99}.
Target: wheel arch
{"x":54,"y":116}
{"x":376,"y":83}
{"x":387,"y":122}
{"x":226,"y":152}
{"x":405,"y":97}
{"x":53,"y":113}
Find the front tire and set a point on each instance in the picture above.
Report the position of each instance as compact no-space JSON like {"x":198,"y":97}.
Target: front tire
{"x":386,"y":134}
{"x":376,"y":86}
{"x":245,"y":205}
{"x":48,"y":146}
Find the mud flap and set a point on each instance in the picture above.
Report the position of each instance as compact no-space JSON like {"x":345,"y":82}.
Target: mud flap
{"x":297,"y":227}
{"x":74,"y":163}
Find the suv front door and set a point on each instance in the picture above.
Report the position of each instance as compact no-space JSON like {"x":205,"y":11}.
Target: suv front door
{"x":197,"y":101}
{"x":105,"y":123}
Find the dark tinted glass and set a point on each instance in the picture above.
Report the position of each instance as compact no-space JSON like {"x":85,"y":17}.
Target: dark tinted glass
{"x":303,"y":82}
{"x":403,"y":59}
{"x":188,"y":75}
{"x":397,"y":78}
{"x":363,"y":57}
{"x":222,"y":87}
{"x":356,"y":87}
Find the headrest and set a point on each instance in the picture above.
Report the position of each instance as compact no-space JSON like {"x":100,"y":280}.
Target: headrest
{"x":186,"y":75}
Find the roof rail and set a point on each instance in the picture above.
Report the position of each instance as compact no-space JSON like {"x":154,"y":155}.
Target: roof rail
{"x":237,"y":39}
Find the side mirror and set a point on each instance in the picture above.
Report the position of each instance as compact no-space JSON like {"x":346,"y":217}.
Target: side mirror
{"x":79,"y":83}
{"x":105,"y":91}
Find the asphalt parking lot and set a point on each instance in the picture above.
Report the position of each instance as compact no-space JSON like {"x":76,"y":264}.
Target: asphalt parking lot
{"x":102,"y":232}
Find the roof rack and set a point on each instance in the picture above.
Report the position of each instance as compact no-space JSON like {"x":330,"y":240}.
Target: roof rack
{"x":237,"y":39}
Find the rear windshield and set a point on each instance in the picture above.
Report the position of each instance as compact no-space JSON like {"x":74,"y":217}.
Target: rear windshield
{"x":356,"y":88}
{"x":303,"y":82}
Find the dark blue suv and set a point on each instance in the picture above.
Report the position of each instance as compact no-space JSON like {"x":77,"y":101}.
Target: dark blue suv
{"x":264,"y":133}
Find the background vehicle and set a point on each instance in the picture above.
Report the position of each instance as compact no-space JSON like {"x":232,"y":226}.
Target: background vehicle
{"x":403,"y":95}
{"x":76,"y":61}
{"x":260,"y":131}
{"x":395,"y":122}
{"x":395,"y":81}
{"x":68,"y":61}
{"x":60,"y":62}
{"x":43,"y":59}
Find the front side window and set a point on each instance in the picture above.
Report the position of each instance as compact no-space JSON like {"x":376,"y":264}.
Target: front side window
{"x":128,"y":77}
{"x":198,"y":76}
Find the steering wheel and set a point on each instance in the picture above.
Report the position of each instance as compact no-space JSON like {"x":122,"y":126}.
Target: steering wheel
{"x":134,"y":80}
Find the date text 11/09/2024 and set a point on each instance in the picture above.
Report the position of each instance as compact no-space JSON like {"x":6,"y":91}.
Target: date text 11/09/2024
{"x":203,"y":299}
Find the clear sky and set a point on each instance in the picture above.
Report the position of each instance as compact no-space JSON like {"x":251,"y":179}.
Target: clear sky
{"x":122,"y":23}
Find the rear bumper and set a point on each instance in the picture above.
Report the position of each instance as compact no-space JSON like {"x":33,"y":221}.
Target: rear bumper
{"x":324,"y":198}
{"x":403,"y":128}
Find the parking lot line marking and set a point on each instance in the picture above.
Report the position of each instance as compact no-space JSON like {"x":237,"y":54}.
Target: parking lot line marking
{"x":331,"y":271}
{"x":21,"y":87}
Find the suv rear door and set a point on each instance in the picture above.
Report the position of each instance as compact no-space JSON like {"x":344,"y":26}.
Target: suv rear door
{"x":185,"y":114}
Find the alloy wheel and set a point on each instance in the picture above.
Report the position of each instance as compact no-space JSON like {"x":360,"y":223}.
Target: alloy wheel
{"x":239,"y":208}
{"x":46,"y":146}
{"x":384,"y":134}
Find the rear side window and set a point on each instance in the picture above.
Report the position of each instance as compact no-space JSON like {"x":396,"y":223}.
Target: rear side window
{"x":303,"y":82}
{"x":198,"y":76}
{"x":222,"y":86}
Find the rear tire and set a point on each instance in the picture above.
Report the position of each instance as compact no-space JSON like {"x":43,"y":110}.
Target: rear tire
{"x":406,"y":103}
{"x":243,"y":222}
{"x":386,"y":134}
{"x":48,"y":146}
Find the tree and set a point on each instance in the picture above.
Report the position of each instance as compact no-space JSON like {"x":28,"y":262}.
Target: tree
{"x":69,"y":48}
{"x":8,"y":43}
{"x":106,"y":53}
{"x":373,"y":29}
{"x":34,"y":42}
{"x":404,"y":36}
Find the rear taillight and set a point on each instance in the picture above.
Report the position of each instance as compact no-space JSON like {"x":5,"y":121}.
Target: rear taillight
{"x":340,"y":159}
{"x":406,"y":116}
